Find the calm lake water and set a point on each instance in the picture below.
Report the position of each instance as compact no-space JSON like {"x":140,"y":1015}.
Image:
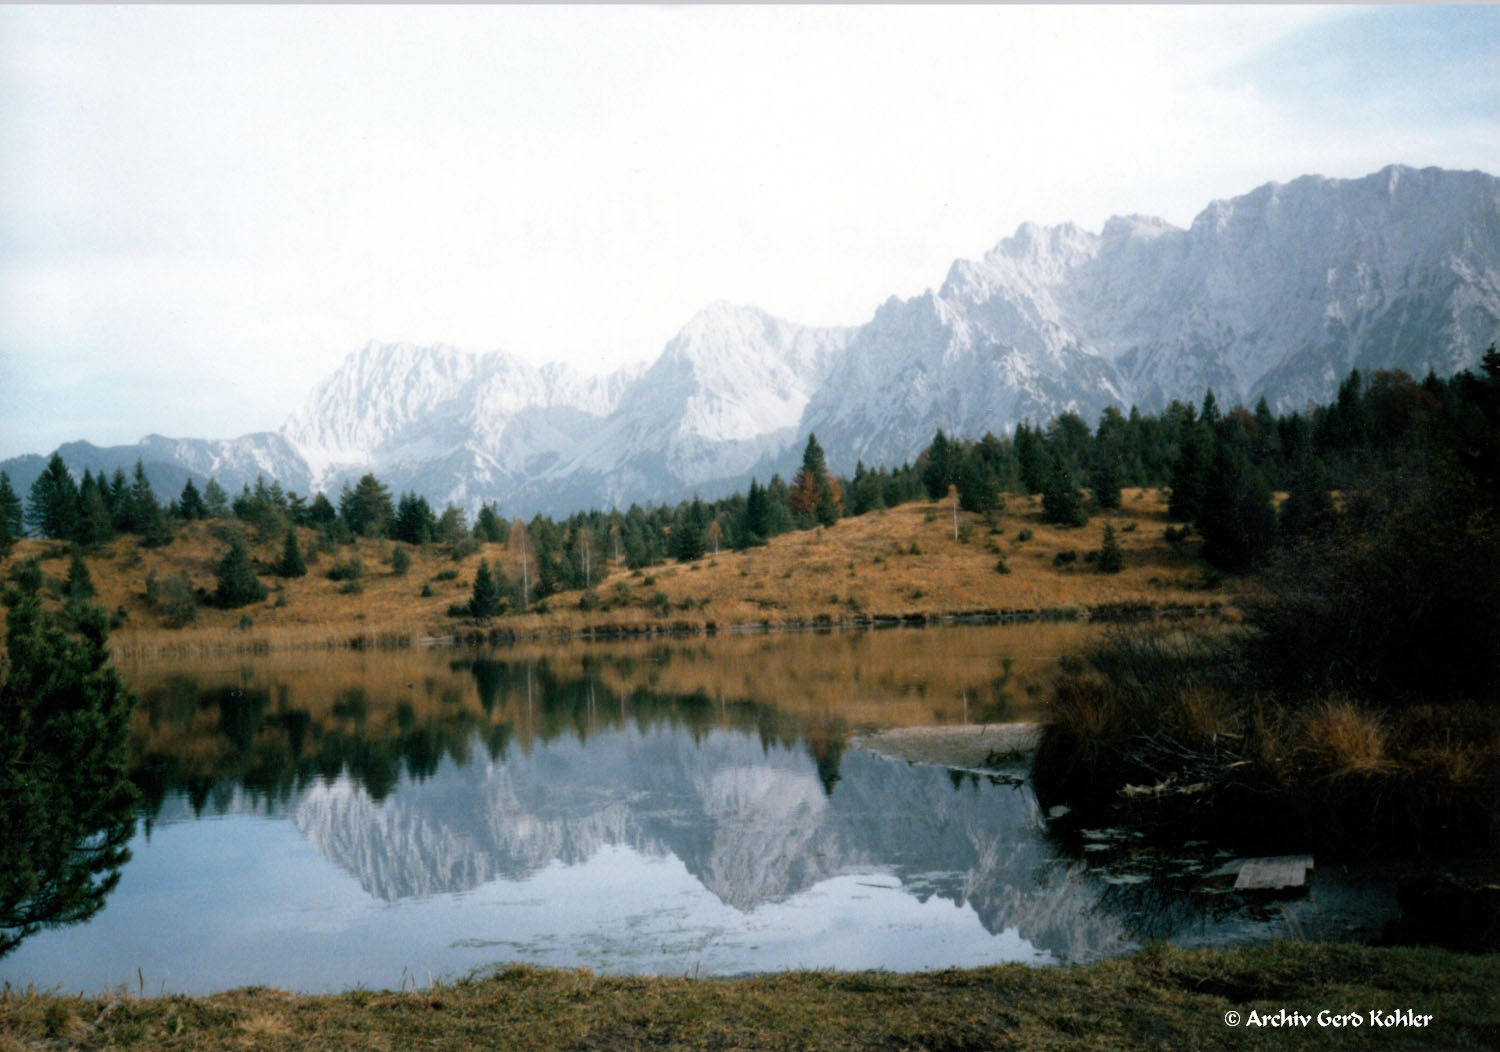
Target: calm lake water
{"x":325,"y":821}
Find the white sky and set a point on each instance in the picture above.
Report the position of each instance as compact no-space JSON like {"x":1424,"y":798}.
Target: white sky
{"x":204,"y":209}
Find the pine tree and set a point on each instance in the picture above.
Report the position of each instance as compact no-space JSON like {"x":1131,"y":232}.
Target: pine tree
{"x":414,"y":523}
{"x":1061,"y":503}
{"x":79,"y":585}
{"x":190,"y":505}
{"x":1308,"y":509}
{"x":1190,"y":472}
{"x":291,"y":563}
{"x":10,"y":516}
{"x":367,"y":507}
{"x":484,"y":602}
{"x":1237,"y":519}
{"x":814,"y":494}
{"x":237,"y":583}
{"x":215,"y":501}
{"x":977,"y":489}
{"x":1111,"y":559}
{"x":687,"y":533}
{"x":67,"y":805}
{"x":941,"y":468}
{"x":142,"y":507}
{"x":1031,"y":459}
{"x":757,"y":515}
{"x":489,"y":526}
{"x":53,"y":510}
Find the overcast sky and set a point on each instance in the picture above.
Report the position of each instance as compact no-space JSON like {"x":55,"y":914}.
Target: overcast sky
{"x":203,"y":210}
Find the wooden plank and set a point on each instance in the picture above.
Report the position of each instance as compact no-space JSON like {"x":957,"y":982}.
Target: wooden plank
{"x":1271,"y":874}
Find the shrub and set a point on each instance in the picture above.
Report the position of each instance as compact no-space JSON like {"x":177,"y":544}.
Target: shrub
{"x":589,"y":600}
{"x":659,"y":604}
{"x":446,"y":575}
{"x":350,"y":569}
{"x":1001,"y":566}
{"x":237,"y":583}
{"x":400,"y":561}
{"x":1025,"y":534}
{"x":174,"y":599}
{"x":1064,"y":557}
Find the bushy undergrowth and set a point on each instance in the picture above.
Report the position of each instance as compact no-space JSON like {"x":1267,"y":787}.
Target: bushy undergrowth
{"x":1189,"y":734}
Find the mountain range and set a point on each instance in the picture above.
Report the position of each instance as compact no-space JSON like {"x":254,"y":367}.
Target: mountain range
{"x":1274,"y":294}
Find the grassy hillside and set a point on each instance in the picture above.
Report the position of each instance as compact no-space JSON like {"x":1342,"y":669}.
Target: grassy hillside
{"x":903,"y":563}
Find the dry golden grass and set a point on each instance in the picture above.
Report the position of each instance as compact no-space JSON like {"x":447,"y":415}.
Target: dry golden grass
{"x":1161,"y":998}
{"x":1343,"y":737}
{"x":904,"y":562}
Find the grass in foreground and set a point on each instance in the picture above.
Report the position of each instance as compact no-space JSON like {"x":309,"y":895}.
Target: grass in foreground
{"x":1162,"y":998}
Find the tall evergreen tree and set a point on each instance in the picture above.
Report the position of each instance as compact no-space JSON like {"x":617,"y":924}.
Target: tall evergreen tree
{"x":1061,"y":503}
{"x":291,"y":563}
{"x":977,"y":489}
{"x":484,"y":602}
{"x":79,"y":585}
{"x":10,"y":516}
{"x":687,"y":532}
{"x":814,"y":493}
{"x":1031,"y":458}
{"x":67,"y":806}
{"x":215,"y":500}
{"x":191,"y":505}
{"x":53,"y":510}
{"x":367,"y":507}
{"x":1308,"y":509}
{"x":489,"y":526}
{"x":1195,"y":453}
{"x":414,"y":523}
{"x":1237,"y":519}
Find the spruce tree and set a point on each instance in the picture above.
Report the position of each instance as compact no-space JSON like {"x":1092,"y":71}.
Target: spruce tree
{"x":10,"y":516}
{"x":215,"y":500}
{"x":53,"y":510}
{"x":687,"y":533}
{"x":1195,"y":455}
{"x":977,"y":489}
{"x":237,"y":583}
{"x":484,"y":602}
{"x":1111,"y":559}
{"x":79,"y":585}
{"x":67,"y":806}
{"x":367,"y":507}
{"x":489,"y":526}
{"x":1308,"y":509}
{"x":1237,"y":519}
{"x":1061,"y":503}
{"x":291,"y":563}
{"x":1031,"y":458}
{"x":190,"y":505}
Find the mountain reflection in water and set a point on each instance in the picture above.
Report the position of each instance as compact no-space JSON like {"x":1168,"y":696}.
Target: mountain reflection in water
{"x":440,"y":815}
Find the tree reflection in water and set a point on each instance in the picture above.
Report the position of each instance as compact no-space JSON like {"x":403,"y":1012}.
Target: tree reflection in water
{"x":67,"y":807}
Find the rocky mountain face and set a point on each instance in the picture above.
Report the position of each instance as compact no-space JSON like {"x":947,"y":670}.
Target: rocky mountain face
{"x":1275,"y":294}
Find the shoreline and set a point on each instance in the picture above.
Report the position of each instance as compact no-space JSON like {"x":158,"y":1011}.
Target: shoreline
{"x":1160,"y":997}
{"x":170,"y":643}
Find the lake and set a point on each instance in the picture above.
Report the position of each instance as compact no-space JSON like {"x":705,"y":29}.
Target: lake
{"x":321,"y":821}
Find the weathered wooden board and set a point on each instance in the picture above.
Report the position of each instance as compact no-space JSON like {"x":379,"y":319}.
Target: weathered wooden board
{"x":1272,"y":874}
